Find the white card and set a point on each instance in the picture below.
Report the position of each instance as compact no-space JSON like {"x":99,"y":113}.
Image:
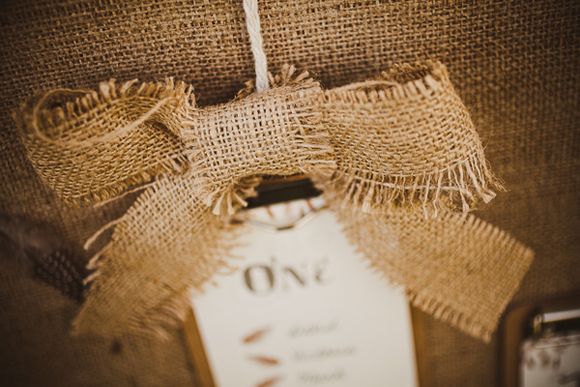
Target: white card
{"x":551,"y":361}
{"x":304,"y":309}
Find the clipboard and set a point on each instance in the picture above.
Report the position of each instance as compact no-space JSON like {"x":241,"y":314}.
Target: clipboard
{"x":275,"y":190}
{"x":536,"y":338}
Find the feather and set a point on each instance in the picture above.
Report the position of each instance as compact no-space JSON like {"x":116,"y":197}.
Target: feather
{"x":44,"y":249}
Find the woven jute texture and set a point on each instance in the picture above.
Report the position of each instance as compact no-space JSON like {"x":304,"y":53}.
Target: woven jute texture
{"x":401,"y":149}
{"x":513,"y":64}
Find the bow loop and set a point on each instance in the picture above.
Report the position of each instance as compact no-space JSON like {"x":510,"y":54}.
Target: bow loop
{"x":99,"y":144}
{"x":406,"y":139}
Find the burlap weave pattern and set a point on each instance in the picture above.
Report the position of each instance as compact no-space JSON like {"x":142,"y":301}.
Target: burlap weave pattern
{"x":76,"y":147}
{"x":429,"y":274}
{"x":399,"y":148}
{"x":513,"y":63}
{"x":170,"y":241}
{"x":407,"y":153}
{"x":407,"y":138}
{"x":170,"y":257}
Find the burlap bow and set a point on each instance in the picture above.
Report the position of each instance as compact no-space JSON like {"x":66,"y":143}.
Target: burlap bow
{"x":397,"y":157}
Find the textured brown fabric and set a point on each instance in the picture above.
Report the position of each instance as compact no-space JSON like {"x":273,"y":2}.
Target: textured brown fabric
{"x":514,"y":65}
{"x":409,"y":142}
{"x":401,"y":148}
{"x":170,"y":241}
{"x":37,"y":349}
{"x":478,"y":276}
{"x":69,"y":156}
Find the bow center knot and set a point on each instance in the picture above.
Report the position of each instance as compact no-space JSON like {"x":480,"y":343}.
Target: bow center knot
{"x":275,"y":132}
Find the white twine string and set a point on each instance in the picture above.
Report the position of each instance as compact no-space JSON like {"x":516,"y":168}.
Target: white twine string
{"x":253,"y":26}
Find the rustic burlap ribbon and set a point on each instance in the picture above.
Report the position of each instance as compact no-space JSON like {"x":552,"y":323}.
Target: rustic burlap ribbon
{"x":397,"y":157}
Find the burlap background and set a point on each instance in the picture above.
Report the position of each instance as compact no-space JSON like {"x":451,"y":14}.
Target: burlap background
{"x":514,"y":63}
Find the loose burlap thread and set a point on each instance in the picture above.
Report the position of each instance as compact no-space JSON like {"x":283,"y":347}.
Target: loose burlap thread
{"x":397,"y":157}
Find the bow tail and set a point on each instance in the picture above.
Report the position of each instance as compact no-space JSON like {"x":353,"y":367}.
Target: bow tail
{"x":456,"y":267}
{"x":167,"y":243}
